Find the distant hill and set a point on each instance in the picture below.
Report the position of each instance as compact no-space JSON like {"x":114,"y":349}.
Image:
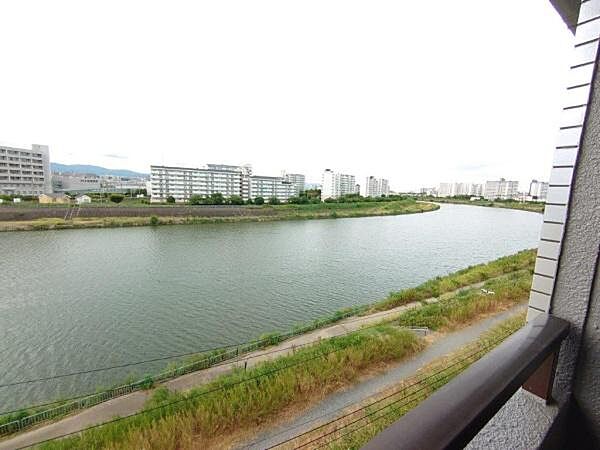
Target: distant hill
{"x":96,"y":170}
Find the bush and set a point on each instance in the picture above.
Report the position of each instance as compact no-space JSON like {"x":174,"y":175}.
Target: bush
{"x":274,"y":201}
{"x":117,"y":198}
{"x":259,"y":201}
{"x":236,"y":200}
{"x":170,"y":199}
{"x":154,"y":220}
{"x":195,"y":199}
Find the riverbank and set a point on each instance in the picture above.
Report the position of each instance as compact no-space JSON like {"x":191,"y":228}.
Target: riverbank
{"x":443,"y":313}
{"x":115,"y":217}
{"x":507,"y":204}
{"x":426,"y":297}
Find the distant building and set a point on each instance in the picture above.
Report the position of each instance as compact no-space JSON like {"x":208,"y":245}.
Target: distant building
{"x":429,"y":191}
{"x":267,"y":187}
{"x":463,"y":189}
{"x":375,"y":187}
{"x":25,"y":171}
{"x":538,"y":190}
{"x":69,"y":182}
{"x":336,"y":185}
{"x":82,"y":199}
{"x":297,"y":180}
{"x":183,"y":182}
{"x":501,"y":189}
{"x":46,"y":199}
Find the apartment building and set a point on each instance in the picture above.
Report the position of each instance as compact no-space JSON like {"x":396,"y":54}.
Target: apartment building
{"x":298,"y":180}
{"x":267,"y":187}
{"x":336,"y":185}
{"x":183,"y":182}
{"x":375,"y":187}
{"x":454,"y":189}
{"x":501,"y":189}
{"x":25,"y":171}
{"x":538,"y":190}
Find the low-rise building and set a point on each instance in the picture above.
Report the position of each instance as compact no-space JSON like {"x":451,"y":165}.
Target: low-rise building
{"x":82,"y":199}
{"x":297,"y":179}
{"x":47,"y":199}
{"x":267,"y":187}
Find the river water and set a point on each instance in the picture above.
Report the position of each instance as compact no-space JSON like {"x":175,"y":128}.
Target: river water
{"x":80,"y":299}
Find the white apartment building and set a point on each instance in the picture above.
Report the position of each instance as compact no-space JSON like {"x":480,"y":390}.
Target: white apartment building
{"x":502,"y":189}
{"x":375,"y":187}
{"x":336,"y":185}
{"x":267,"y":187}
{"x":183,"y":182}
{"x":538,"y":190}
{"x":25,"y":171}
{"x":298,"y":180}
{"x":453,"y":189}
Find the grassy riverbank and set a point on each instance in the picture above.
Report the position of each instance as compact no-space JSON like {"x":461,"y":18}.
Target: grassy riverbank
{"x":363,"y":422}
{"x":247,"y":399}
{"x":508,"y":204}
{"x":267,"y":213}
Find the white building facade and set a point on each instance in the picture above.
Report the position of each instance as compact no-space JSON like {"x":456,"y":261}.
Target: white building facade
{"x":25,"y":171}
{"x":501,"y":189}
{"x":538,"y":190}
{"x":464,"y":189}
{"x":375,"y":187}
{"x":336,"y":185}
{"x":183,"y":182}
{"x":297,"y":179}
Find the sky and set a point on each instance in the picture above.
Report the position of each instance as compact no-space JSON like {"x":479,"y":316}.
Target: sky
{"x":416,"y":92}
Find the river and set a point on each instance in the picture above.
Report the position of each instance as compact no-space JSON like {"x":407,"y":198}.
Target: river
{"x":73,"y":300}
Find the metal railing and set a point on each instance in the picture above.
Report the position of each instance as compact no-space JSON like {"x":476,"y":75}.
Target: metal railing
{"x":454,"y":415}
{"x":235,"y":352}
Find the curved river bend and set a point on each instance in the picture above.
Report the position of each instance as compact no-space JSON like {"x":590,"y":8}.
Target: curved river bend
{"x":79,"y":299}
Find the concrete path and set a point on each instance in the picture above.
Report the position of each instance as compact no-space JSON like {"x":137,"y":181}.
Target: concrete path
{"x":133,"y":403}
{"x":334,"y":405}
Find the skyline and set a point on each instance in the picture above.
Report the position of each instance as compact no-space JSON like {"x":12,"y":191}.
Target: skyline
{"x":248,"y":84}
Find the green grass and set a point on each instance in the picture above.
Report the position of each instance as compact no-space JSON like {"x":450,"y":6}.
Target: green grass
{"x":509,"y":204}
{"x":251,"y":397}
{"x":377,"y":418}
{"x":462,"y":278}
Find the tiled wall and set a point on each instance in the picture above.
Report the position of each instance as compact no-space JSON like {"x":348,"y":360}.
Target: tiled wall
{"x":575,"y":106}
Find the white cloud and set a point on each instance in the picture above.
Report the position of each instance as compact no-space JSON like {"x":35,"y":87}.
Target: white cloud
{"x":419,"y":92}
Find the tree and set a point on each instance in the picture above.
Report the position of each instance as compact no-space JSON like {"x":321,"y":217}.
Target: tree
{"x":117,"y":198}
{"x":195,"y":199}
{"x":217,"y":199}
{"x":259,"y":201}
{"x":236,"y":200}
{"x":249,"y":202}
{"x":170,"y":199}
{"x":274,"y":201}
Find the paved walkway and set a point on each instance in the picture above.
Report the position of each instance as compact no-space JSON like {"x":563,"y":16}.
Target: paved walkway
{"x":133,"y":403}
{"x":334,"y":405}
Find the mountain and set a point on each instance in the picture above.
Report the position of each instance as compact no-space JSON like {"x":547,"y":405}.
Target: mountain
{"x":96,"y":170}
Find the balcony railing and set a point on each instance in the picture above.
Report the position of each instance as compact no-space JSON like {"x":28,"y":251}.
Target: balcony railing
{"x":455,"y":414}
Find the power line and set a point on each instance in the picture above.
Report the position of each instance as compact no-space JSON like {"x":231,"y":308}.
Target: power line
{"x":198,"y":395}
{"x":163,"y":358}
{"x":403,"y":389}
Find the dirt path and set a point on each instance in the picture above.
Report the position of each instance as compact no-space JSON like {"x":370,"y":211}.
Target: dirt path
{"x":133,"y":403}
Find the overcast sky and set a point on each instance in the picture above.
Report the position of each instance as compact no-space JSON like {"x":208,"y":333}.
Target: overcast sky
{"x":417,"y":92}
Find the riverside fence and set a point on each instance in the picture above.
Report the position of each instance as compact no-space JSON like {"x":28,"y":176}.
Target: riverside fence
{"x":210,"y":360}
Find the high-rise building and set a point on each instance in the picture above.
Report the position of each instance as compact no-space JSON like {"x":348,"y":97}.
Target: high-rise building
{"x":464,"y":189}
{"x":298,"y":180}
{"x":538,"y":190}
{"x":375,"y":187}
{"x":25,"y":171}
{"x":336,"y":185}
{"x":501,"y":189}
